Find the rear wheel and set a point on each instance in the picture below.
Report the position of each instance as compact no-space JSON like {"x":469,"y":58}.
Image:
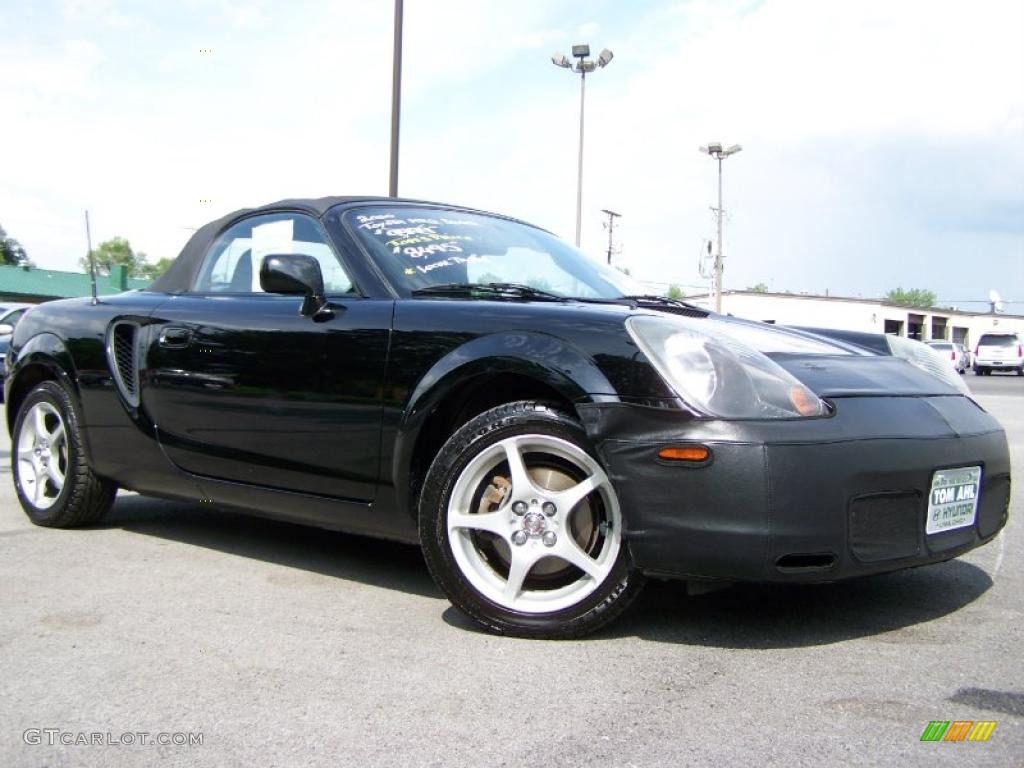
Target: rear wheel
{"x":521,"y":526}
{"x":55,"y":485}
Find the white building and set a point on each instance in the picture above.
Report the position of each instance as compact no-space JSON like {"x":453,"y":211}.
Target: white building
{"x":870,"y":315}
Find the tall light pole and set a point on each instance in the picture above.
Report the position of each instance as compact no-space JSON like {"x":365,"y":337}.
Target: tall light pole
{"x":396,"y":98}
{"x":610,"y":226}
{"x":716,"y":151}
{"x":582,"y":66}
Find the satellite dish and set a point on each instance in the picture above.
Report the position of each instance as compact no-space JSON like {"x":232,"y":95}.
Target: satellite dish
{"x":995,"y":300}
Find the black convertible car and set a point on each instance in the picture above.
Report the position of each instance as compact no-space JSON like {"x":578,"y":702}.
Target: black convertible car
{"x":548,"y":434}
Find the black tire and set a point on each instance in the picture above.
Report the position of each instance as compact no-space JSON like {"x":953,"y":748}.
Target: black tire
{"x":83,"y":498}
{"x":613,"y":593}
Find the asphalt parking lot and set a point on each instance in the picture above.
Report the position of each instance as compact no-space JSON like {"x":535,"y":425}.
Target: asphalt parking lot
{"x":283,"y":645}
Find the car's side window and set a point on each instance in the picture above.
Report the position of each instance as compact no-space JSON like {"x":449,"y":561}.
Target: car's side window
{"x":232,"y":265}
{"x":14,"y":317}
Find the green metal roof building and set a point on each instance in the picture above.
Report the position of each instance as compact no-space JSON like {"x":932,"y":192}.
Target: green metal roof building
{"x":37,"y":285}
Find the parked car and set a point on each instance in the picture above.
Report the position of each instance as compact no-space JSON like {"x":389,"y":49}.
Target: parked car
{"x":952,"y":352}
{"x":10,"y":314}
{"x":1002,"y":351}
{"x":546,"y":432}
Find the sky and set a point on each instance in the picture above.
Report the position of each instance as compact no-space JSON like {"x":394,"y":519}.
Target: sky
{"x":883,"y":142}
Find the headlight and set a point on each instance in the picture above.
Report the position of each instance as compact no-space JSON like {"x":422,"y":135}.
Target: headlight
{"x":719,"y":375}
{"x":927,"y":359}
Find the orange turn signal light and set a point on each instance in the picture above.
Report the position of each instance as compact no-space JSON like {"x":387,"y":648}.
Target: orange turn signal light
{"x":692,"y":453}
{"x":805,"y":403}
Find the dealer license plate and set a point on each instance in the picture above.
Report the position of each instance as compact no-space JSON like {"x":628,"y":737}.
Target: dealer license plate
{"x":953,"y":501}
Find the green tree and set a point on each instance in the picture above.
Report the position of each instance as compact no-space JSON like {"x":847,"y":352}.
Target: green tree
{"x":11,"y":252}
{"x":912,"y":297}
{"x":116,"y":252}
{"x":675,"y":292}
{"x":759,"y":288}
{"x":153,"y":271}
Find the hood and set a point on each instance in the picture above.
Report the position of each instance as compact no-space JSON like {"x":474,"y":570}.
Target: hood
{"x":859,"y":376}
{"x":839,"y":367}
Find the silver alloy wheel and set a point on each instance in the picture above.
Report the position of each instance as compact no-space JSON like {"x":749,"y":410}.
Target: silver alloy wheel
{"x":42,"y":448}
{"x":532,"y":523}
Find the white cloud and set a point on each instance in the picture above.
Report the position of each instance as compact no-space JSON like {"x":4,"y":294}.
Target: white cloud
{"x":458,"y":41}
{"x":828,"y":100}
{"x":105,"y":12}
{"x":244,"y":14}
{"x":794,"y":82}
{"x":31,"y":75}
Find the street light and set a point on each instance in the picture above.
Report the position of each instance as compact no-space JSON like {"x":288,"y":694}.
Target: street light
{"x":582,"y":66}
{"x":716,"y":151}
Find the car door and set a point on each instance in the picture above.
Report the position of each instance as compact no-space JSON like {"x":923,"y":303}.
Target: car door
{"x":243,"y":388}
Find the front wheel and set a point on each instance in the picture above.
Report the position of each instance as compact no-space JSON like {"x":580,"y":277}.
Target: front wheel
{"x":521,"y":526}
{"x":55,"y":485}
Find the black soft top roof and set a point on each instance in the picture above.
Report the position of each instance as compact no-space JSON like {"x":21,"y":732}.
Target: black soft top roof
{"x":179,"y":276}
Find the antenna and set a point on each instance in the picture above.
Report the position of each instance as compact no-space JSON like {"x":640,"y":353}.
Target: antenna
{"x":92,"y":261}
{"x":995,"y":301}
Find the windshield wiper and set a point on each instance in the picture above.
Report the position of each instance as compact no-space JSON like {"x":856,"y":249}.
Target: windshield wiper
{"x":660,"y":301}
{"x":488,"y":290}
{"x":636,"y":301}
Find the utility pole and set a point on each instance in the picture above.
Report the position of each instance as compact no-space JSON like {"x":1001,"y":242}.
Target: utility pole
{"x":716,"y":151}
{"x":396,"y":99}
{"x":610,"y":226}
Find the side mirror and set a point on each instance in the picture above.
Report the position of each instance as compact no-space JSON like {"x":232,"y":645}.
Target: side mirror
{"x":6,"y":329}
{"x":295,"y":274}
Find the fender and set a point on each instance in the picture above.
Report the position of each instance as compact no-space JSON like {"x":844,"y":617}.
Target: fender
{"x":547,"y":359}
{"x":49,"y":351}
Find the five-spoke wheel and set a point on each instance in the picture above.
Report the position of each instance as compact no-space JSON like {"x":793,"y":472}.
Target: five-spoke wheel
{"x":547,"y":506}
{"x":522,"y":527}
{"x":55,"y":484}
{"x":42,"y":455}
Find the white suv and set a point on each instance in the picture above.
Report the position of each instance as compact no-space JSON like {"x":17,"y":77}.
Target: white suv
{"x":999,"y":352}
{"x":955,"y":353}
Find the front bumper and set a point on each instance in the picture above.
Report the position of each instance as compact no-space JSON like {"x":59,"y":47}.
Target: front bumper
{"x":805,"y":500}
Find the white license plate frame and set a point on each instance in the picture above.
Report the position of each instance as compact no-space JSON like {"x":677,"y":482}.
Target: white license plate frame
{"x":953,"y":499}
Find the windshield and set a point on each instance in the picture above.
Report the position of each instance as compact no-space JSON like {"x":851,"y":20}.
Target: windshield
{"x":418,"y":248}
{"x":993,"y":340}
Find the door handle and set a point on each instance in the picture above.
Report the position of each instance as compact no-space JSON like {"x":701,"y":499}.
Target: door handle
{"x":174,"y":337}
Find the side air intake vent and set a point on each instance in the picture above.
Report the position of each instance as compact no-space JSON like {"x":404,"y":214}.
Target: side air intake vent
{"x":123,"y":355}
